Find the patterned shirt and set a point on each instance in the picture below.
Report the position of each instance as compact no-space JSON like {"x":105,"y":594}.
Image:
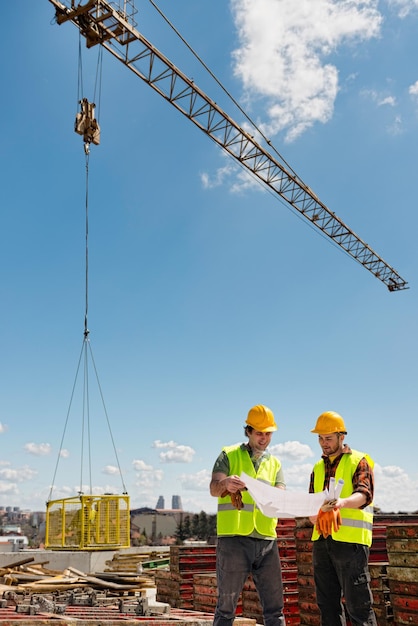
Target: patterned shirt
{"x":363,"y":481}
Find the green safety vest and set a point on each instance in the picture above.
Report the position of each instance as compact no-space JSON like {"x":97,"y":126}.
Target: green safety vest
{"x":356,"y":524}
{"x":230,"y":521}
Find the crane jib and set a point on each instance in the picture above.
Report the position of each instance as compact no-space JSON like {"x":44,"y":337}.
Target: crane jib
{"x":102,"y":24}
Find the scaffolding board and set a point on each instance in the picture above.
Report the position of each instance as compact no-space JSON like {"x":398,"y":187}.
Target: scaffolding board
{"x":88,"y":523}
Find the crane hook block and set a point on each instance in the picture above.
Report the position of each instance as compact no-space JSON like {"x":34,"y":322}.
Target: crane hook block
{"x":86,"y":124}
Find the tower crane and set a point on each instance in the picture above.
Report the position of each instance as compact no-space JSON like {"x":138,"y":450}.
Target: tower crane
{"x":102,"y":24}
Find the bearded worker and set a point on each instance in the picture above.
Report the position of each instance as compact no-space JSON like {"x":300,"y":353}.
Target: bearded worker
{"x":342,"y":534}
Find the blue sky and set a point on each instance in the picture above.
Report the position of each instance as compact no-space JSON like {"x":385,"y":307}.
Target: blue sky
{"x":207,"y":295}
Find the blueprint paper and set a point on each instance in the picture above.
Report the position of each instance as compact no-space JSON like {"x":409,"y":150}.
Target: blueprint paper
{"x":274,"y":502}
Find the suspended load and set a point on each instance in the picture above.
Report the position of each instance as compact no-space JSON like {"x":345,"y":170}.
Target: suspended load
{"x":86,"y":123}
{"x":88,"y":523}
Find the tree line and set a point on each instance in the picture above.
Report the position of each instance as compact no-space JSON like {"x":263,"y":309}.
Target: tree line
{"x":200,"y":526}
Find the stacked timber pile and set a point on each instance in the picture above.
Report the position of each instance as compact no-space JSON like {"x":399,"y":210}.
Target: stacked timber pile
{"x":287,"y":549}
{"x":175,"y":585}
{"x":205,"y":586}
{"x":402,"y":547}
{"x":379,"y":585}
{"x":204,"y":593}
{"x":378,"y":562}
{"x":308,"y":609}
{"x":138,"y":561}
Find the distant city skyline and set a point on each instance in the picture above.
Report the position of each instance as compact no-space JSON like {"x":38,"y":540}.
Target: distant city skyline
{"x":175,"y":503}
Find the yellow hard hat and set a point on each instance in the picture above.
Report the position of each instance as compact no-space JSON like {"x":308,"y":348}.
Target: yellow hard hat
{"x":261,"y":418}
{"x":329,"y":422}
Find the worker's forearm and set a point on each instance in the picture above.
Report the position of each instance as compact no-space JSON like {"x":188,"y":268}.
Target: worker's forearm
{"x":218,"y":487}
{"x":355,"y":501}
{"x":221,"y":483}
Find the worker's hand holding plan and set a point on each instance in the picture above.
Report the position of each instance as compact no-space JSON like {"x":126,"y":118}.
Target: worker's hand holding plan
{"x":275,"y":502}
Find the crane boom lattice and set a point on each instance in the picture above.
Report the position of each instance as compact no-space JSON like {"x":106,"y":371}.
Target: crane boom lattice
{"x":101,"y":23}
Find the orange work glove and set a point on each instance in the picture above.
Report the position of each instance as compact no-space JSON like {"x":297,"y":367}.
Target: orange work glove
{"x":236,"y":499}
{"x":327,"y":521}
{"x":324,"y":523}
{"x":336,"y":522}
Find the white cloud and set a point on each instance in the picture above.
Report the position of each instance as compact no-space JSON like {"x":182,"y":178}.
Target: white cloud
{"x":405,"y":7}
{"x":283,"y":53}
{"x":64,"y":454}
{"x":111,"y":470}
{"x":38,"y":449}
{"x":8,"y":488}
{"x":181,"y":454}
{"x":196,"y":482}
{"x":209,"y":182}
{"x":387,"y":101}
{"x":164,"y":444}
{"x":395,"y":490}
{"x":65,"y":491}
{"x":18,"y":475}
{"x":292,"y":450}
{"x":148,"y":481}
{"x":413,"y":89}
{"x":3,"y":428}
{"x":378,"y":98}
{"x":176,"y":453}
{"x":141,"y":466}
{"x":297,"y":476}
{"x":241,"y":178}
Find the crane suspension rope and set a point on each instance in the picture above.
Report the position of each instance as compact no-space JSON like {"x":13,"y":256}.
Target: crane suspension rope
{"x":86,"y":125}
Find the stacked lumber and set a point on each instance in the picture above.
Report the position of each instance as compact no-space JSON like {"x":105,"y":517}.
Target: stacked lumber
{"x":308,"y":609}
{"x":402,"y":547}
{"x":175,"y":586}
{"x":379,"y":585}
{"x":287,"y":549}
{"x":204,"y":593}
{"x":137,"y":562}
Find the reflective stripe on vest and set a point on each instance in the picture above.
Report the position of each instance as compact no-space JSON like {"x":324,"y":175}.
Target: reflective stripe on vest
{"x":356,"y":524}
{"x":230,"y":521}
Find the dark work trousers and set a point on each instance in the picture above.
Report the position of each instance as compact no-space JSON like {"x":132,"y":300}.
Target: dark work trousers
{"x":236,"y":558}
{"x":341,"y":570}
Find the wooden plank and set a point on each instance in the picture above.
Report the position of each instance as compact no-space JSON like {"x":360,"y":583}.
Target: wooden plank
{"x":402,"y":530}
{"x":18,"y":563}
{"x":98,"y":581}
{"x":406,"y":574}
{"x":406,"y":603}
{"x":402,"y":545}
{"x":403,"y":588}
{"x":409,"y":559}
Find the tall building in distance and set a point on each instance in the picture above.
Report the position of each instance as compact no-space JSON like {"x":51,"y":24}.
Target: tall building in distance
{"x":176,"y":503}
{"x":160,"y":503}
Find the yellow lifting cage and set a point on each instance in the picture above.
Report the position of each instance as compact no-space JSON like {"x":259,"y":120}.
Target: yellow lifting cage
{"x":88,"y":523}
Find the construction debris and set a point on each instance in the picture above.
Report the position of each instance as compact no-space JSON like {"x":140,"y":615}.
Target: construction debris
{"x":31,"y":588}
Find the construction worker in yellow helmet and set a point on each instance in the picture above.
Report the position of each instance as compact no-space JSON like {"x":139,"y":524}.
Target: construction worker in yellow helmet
{"x":342,"y":532}
{"x":247,"y":539}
